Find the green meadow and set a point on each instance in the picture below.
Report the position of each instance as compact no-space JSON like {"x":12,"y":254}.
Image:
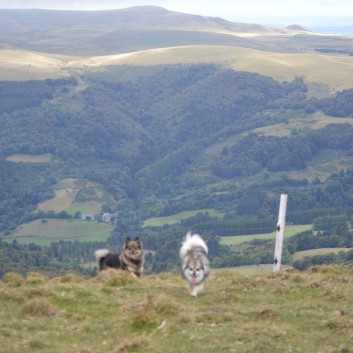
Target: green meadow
{"x":289,"y":231}
{"x":177,"y":218}
{"x":52,"y":230}
{"x":27,"y":158}
{"x":314,"y":252}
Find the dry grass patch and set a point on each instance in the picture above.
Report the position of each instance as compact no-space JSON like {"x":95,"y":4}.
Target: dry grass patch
{"x":334,"y":72}
{"x":289,"y":311}
{"x":40,"y":307}
{"x":27,"y":158}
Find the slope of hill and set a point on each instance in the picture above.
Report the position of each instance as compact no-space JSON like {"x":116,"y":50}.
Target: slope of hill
{"x":204,"y":117}
{"x":315,"y":68}
{"x":39,"y":44}
{"x":166,"y":139}
{"x":284,"y":312}
{"x":142,"y":28}
{"x":115,"y":31}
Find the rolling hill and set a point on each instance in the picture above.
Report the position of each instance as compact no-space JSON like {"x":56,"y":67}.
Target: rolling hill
{"x":166,"y":112}
{"x":40,"y":44}
{"x":118,"y":31}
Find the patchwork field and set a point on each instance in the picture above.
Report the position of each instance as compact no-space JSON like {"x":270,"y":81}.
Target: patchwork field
{"x":65,"y":198}
{"x":62,"y":200}
{"x":43,"y":232}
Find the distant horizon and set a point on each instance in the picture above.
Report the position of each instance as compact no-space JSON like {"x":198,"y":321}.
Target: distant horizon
{"x":279,"y":13}
{"x":280,"y":22}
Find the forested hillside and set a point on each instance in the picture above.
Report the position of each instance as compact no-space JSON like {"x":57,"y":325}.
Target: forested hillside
{"x":159,"y":140}
{"x":151,"y":132}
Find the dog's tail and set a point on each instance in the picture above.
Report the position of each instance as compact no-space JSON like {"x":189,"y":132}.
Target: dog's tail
{"x":101,"y":253}
{"x":192,"y":241}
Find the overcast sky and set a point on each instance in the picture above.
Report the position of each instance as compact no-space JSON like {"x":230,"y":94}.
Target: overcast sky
{"x":304,"y":12}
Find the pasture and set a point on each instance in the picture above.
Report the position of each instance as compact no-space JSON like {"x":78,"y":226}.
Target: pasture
{"x":314,"y":252}
{"x":43,"y":232}
{"x":289,"y":231}
{"x":66,"y":191}
{"x":27,"y":158}
{"x":62,"y":200}
{"x":177,"y":218}
{"x":314,"y":67}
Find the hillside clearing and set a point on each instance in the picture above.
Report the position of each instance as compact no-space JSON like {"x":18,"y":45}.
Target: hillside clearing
{"x":333,"y":72}
{"x":27,"y":158}
{"x":285,"y":312}
{"x":281,"y":66}
{"x":18,"y":65}
{"x":315,"y":121}
{"x":290,"y":230}
{"x":314,"y":252}
{"x":62,"y":200}
{"x":65,"y":199}
{"x":176,"y":218}
{"x":52,"y":230}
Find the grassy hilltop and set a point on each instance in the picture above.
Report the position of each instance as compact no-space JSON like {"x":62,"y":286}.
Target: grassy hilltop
{"x":284,"y":312}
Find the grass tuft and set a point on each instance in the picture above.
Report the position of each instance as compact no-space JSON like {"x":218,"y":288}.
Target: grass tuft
{"x":69,"y":278}
{"x":40,"y":307}
{"x":36,"y":278}
{"x":133,"y":344}
{"x":13,"y":279}
{"x":284,"y":312}
{"x":325,"y":269}
{"x":114,"y":278}
{"x":145,"y":315}
{"x":266,"y":314}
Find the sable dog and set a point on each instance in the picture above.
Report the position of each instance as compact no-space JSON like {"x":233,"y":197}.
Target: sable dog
{"x":195,"y":262}
{"x":131,"y":259}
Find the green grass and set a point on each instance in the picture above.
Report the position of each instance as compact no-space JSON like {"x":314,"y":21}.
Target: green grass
{"x":314,"y":121}
{"x":27,"y":158}
{"x":289,"y":231}
{"x":314,"y":252}
{"x":55,"y":230}
{"x":288,"y":311}
{"x":74,"y":207}
{"x":315,"y":68}
{"x":160,"y":221}
{"x":62,"y":200}
{"x":251,"y":269}
{"x":331,"y":71}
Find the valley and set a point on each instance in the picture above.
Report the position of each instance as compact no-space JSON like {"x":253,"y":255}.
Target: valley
{"x":171,"y":122}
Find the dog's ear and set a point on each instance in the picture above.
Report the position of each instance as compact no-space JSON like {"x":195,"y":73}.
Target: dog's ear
{"x":127,"y":239}
{"x":137,"y":239}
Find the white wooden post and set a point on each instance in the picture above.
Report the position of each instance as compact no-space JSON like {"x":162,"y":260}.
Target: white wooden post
{"x":277,"y":264}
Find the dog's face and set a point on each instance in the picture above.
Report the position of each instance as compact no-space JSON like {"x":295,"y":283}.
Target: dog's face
{"x":133,"y":248}
{"x":194,"y":271}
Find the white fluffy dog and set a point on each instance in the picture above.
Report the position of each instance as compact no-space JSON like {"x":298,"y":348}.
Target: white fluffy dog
{"x":195,"y":262}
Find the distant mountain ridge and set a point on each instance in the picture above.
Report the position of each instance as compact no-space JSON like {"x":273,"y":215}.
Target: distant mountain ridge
{"x":116,"y":31}
{"x":133,"y":17}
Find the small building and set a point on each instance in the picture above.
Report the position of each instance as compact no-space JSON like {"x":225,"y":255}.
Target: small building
{"x":107,"y":217}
